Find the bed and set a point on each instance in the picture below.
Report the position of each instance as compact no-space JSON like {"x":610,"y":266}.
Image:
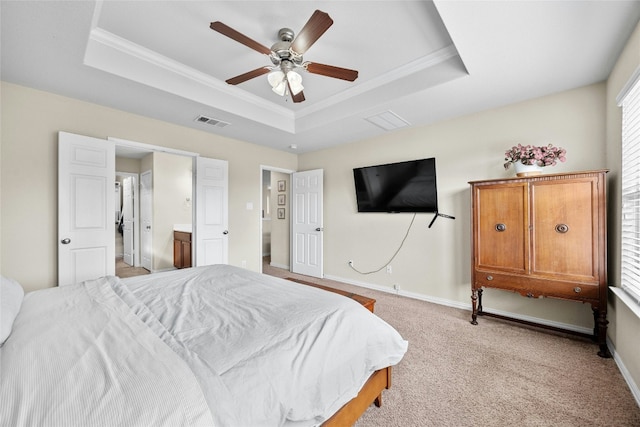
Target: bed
{"x":205,"y":346}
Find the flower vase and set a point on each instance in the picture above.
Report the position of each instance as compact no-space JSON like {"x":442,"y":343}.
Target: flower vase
{"x":526,"y":170}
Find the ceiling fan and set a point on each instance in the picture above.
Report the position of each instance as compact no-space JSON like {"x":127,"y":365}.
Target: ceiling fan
{"x":286,"y":56}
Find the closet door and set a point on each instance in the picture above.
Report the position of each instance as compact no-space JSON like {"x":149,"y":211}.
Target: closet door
{"x":212,"y":211}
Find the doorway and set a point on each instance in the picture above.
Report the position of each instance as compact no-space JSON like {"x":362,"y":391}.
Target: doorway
{"x":275,"y":224}
{"x":86,"y":223}
{"x":294,"y":201}
{"x":162,"y":182}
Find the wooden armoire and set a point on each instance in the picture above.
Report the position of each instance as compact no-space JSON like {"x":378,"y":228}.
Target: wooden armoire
{"x":542,"y":236}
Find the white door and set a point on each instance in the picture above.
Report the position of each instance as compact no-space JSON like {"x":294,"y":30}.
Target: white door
{"x":212,"y":218}
{"x":146,"y":219}
{"x":306,"y":223}
{"x":128,"y":220}
{"x":86,"y":229}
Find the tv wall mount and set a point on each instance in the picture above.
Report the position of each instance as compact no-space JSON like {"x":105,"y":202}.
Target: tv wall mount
{"x":442,"y":215}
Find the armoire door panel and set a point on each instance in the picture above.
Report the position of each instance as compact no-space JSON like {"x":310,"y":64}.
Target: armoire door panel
{"x":565,"y":229}
{"x":502,"y":228}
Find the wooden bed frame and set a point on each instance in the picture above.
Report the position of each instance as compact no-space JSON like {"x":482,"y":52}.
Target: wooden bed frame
{"x":371,"y":392}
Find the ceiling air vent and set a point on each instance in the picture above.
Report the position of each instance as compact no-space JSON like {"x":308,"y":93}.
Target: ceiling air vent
{"x":211,"y":121}
{"x":388,"y":120}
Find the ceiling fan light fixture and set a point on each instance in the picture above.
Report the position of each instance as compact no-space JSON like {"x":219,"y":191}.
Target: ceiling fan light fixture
{"x":295,"y":82}
{"x":286,"y":55}
{"x":277,"y":82}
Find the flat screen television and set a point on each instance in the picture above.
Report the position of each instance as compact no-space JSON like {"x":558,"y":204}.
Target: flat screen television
{"x":397,"y":187}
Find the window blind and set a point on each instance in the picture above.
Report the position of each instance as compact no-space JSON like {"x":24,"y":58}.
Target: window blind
{"x":630,"y":268}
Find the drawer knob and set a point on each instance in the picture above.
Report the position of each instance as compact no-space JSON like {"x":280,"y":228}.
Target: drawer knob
{"x":562,"y":228}
{"x":489,"y":278}
{"x":500,"y":227}
{"x":577,"y":289}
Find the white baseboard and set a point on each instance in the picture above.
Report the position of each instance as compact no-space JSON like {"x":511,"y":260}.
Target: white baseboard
{"x":635,"y":391}
{"x":466,"y":306}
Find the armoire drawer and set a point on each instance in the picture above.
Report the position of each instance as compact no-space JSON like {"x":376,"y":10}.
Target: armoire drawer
{"x":535,"y":287}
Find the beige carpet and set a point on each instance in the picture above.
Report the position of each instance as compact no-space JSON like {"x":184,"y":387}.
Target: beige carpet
{"x":497,"y":373}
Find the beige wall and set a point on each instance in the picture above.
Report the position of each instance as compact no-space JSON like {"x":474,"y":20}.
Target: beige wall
{"x":624,"y":326}
{"x":435,"y":262}
{"x":280,"y":236}
{"x":124,"y":164}
{"x":172,"y":178}
{"x":28,"y":203}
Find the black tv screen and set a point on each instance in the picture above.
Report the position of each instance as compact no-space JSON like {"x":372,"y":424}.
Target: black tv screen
{"x":397,"y":187}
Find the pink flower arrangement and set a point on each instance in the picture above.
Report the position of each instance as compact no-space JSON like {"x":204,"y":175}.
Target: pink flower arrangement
{"x":530,"y":155}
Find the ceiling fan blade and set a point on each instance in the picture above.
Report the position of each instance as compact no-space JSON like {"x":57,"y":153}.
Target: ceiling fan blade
{"x":331,"y":71}
{"x":239,"y":37}
{"x":312,"y":30}
{"x":248,"y":75}
{"x":299,"y":97}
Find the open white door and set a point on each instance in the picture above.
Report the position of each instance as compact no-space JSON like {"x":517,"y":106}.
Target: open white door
{"x":86,"y":229}
{"x":212,"y":217}
{"x":128,"y":220}
{"x":306,"y":223}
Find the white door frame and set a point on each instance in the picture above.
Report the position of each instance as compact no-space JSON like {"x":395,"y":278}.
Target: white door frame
{"x":262,"y":207}
{"x":146,"y":220}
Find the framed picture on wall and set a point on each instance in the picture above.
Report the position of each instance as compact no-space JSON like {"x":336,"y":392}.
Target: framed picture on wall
{"x":281,"y":213}
{"x":282,"y":199}
{"x":282,"y":185}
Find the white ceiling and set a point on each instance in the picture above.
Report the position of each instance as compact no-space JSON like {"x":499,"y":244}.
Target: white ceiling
{"x":423,"y":61}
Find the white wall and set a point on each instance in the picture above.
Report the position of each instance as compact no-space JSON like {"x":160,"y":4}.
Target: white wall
{"x":28,"y":176}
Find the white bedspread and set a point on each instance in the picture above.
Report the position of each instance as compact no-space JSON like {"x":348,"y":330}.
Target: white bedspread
{"x":260,"y":351}
{"x":78,"y":356}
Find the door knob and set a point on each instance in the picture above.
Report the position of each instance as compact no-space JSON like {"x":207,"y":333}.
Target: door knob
{"x":319,"y":229}
{"x":225,"y":232}
{"x":65,"y":241}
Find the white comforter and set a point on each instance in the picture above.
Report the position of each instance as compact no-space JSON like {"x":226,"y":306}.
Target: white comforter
{"x":160,"y":349}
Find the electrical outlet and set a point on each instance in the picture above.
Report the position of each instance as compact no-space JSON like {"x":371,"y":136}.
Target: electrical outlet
{"x":351,"y":263}
{"x":389,"y":269}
